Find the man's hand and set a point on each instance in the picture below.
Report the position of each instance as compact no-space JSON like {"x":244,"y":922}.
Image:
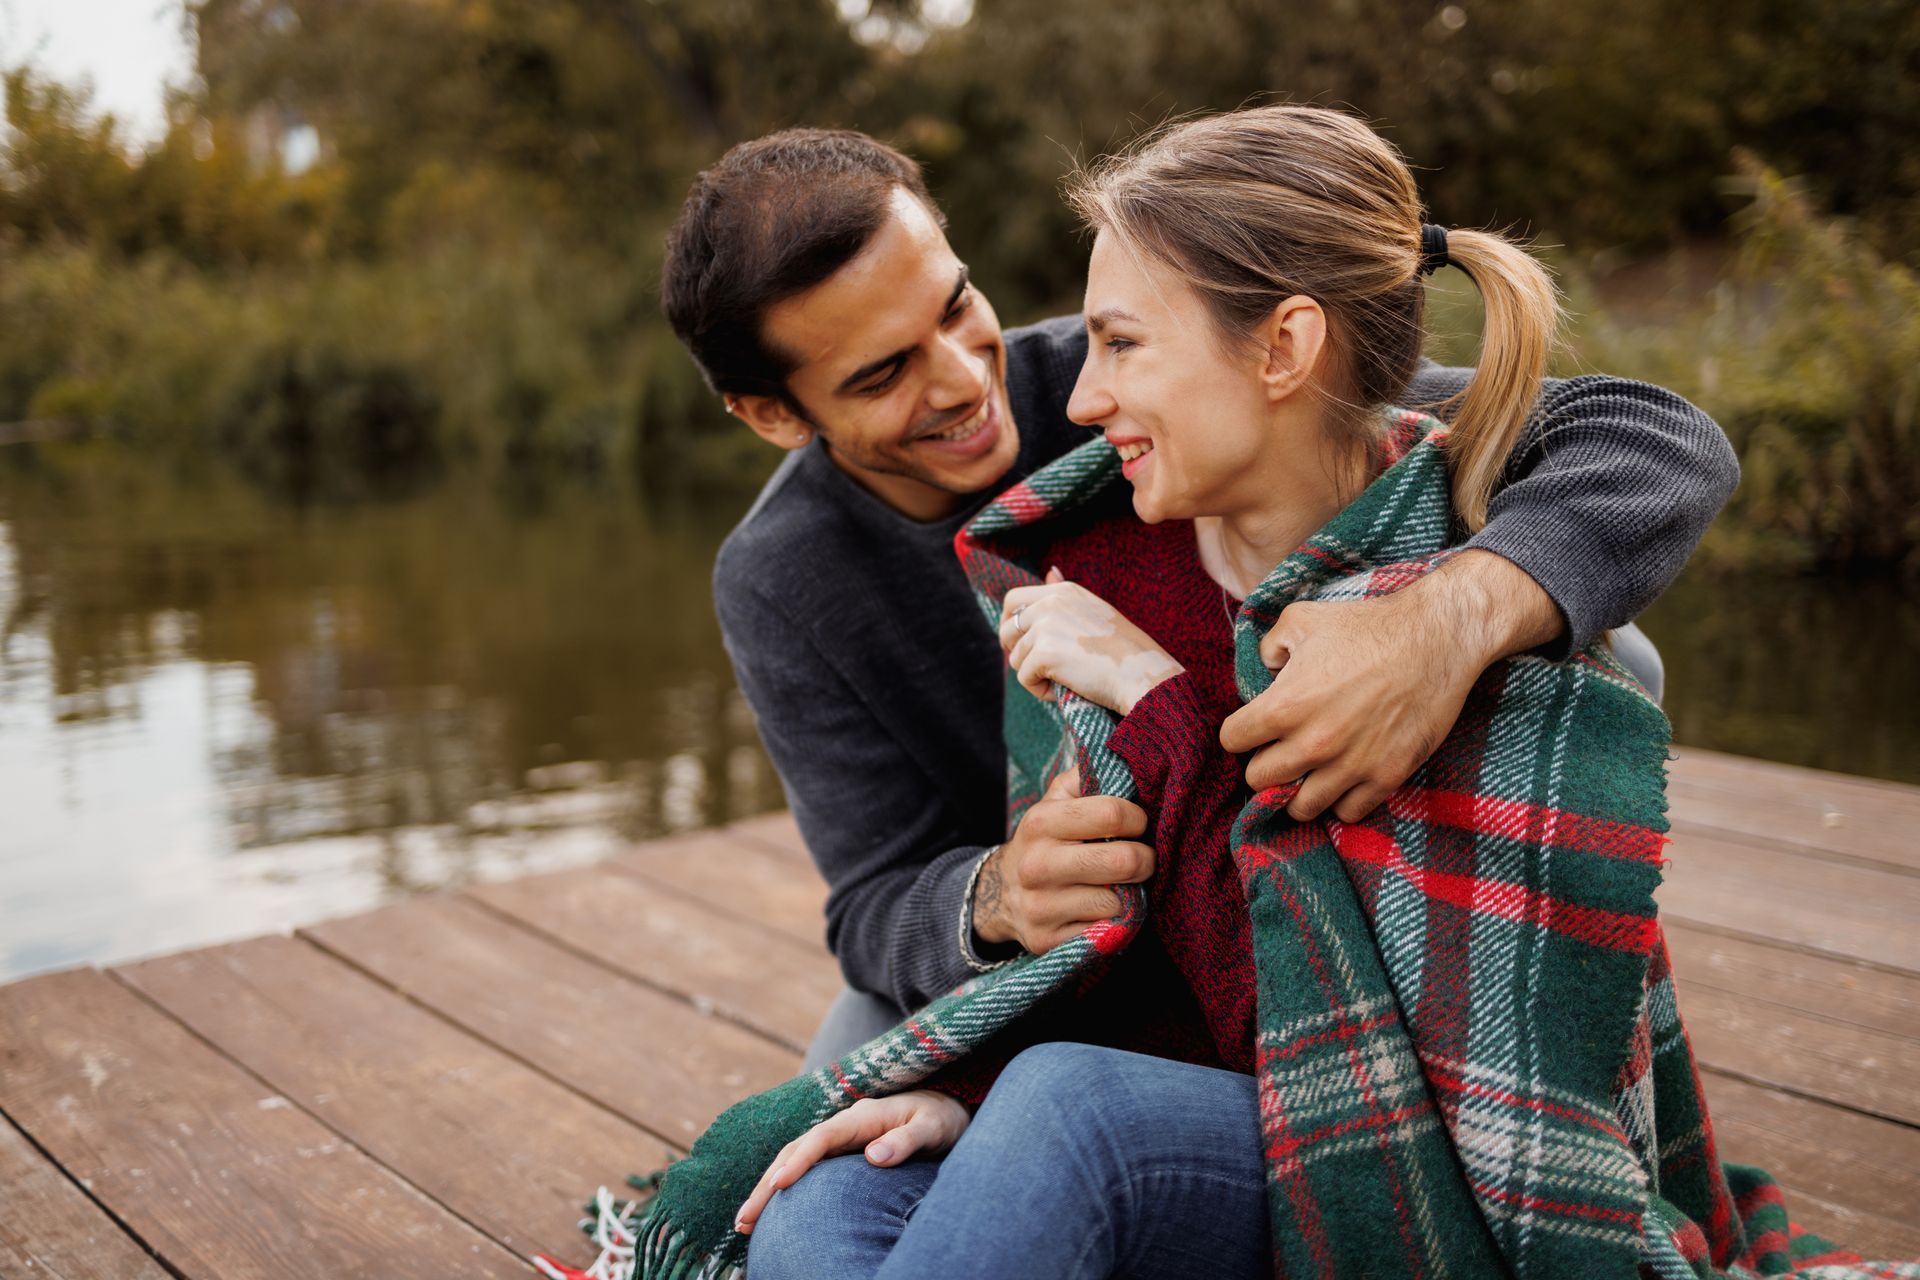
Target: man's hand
{"x":1056,"y":876}
{"x":1367,"y":689}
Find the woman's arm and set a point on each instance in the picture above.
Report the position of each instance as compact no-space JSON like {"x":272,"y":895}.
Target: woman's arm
{"x":889,"y":1129}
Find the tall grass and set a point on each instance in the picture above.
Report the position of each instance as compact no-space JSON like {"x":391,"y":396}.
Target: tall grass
{"x":495,"y":359}
{"x":1807,"y":352}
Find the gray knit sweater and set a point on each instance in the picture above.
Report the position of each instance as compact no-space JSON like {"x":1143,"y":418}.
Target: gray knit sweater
{"x":877,"y":684}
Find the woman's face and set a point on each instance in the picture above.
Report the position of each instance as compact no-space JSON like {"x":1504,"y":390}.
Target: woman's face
{"x":1189,"y":412}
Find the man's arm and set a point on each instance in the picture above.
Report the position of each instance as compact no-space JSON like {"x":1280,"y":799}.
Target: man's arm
{"x":1609,"y":489}
{"x":896,"y":869}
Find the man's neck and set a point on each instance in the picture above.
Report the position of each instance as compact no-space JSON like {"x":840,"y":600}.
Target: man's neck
{"x":913,"y":499}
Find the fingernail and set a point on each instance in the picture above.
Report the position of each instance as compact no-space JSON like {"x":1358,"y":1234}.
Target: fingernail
{"x":879,"y":1152}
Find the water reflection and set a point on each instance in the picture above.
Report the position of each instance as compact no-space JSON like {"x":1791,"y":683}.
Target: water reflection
{"x":1813,"y":671}
{"x":221,"y":714}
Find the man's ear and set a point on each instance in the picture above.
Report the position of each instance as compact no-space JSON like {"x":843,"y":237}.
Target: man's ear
{"x":1294,"y":337}
{"x":772,"y":419}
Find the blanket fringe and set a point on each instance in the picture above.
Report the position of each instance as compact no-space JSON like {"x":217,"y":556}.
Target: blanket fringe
{"x":637,"y":1243}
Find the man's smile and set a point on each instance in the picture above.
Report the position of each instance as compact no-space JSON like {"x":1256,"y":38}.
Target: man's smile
{"x":973,"y":435}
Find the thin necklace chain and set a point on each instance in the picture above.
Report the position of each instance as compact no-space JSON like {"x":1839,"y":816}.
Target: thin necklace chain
{"x":1226,"y":596}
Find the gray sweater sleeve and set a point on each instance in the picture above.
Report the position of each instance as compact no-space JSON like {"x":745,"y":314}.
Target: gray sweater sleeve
{"x":1609,"y":489}
{"x":868,"y":813}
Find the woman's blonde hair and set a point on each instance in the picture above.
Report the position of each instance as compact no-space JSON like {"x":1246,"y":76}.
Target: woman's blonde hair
{"x":1259,"y":205}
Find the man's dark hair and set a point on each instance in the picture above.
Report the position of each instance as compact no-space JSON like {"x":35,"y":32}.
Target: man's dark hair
{"x":773,"y":218}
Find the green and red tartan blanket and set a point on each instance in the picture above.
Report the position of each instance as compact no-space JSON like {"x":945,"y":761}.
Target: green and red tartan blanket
{"x":1470,"y":1060}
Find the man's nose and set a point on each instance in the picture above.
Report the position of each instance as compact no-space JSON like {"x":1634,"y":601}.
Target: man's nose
{"x":959,"y":376}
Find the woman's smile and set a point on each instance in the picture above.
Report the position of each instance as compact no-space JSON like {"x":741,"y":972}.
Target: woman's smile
{"x":1134,"y":451}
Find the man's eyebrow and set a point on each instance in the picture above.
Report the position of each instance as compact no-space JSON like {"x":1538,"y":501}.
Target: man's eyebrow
{"x":1102,"y":318}
{"x":872,"y":367}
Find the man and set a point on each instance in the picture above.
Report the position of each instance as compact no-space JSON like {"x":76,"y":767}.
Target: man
{"x":810,"y":277}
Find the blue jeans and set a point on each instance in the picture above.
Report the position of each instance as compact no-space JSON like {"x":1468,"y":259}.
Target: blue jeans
{"x":1082,"y":1162}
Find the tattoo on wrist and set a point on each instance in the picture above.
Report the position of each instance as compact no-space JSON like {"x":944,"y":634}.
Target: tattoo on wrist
{"x":986,"y":895}
{"x":982,"y":900}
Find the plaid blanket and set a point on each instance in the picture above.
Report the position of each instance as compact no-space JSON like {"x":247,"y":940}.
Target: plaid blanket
{"x":1469,"y":1055}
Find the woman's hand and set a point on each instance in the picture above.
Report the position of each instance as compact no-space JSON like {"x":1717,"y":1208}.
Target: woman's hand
{"x":1061,"y":633}
{"x":891,"y":1129}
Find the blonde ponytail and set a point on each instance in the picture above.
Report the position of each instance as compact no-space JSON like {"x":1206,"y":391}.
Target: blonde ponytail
{"x":1522,"y":318}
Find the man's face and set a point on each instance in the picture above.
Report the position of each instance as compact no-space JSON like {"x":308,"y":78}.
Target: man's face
{"x":900,"y":369}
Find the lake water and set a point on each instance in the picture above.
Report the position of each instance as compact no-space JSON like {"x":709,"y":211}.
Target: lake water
{"x":223,"y":713}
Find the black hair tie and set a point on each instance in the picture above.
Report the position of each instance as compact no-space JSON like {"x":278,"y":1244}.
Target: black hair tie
{"x":1433,"y":248}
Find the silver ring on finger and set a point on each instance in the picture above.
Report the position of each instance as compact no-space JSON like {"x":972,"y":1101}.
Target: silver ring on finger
{"x":1017,"y":624}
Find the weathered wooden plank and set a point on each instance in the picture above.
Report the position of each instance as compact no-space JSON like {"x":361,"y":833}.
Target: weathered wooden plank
{"x":777,"y":831}
{"x":219,"y":1175}
{"x":1828,"y":1028}
{"x":1818,"y":821}
{"x":1862,"y":912}
{"x":503,"y":1146}
{"x":1840,"y":989}
{"x":737,"y":877}
{"x":647,"y":1056}
{"x":1697,"y":766}
{"x":1826,"y":1157}
{"x":764,"y":979}
{"x":1824,"y":813}
{"x":1825,"y":1058}
{"x":48,"y":1226}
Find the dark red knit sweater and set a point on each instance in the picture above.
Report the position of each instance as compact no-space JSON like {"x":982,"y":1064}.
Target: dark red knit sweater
{"x":1190,"y":787}
{"x":1185,"y":988}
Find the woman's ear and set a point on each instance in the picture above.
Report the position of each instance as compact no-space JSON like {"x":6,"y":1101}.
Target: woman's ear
{"x":772,"y":419}
{"x":1294,"y":336}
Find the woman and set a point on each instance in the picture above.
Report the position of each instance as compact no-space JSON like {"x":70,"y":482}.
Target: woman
{"x":1439,"y":1040}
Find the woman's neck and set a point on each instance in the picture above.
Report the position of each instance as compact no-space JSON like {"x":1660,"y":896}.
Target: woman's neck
{"x":1240,"y":548}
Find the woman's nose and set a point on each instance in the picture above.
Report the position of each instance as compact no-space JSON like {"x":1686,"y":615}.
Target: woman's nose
{"x":1091,"y":403}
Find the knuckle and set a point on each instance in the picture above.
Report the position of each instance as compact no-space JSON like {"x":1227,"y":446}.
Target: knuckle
{"x":1111,"y":813}
{"x":1277,"y":705}
{"x":1317,"y":744}
{"x":1144,"y":860}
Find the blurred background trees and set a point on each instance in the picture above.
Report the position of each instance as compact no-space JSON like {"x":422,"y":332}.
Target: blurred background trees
{"x":395,"y":234}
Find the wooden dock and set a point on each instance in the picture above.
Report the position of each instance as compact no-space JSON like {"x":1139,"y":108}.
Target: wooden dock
{"x":431,"y":1089}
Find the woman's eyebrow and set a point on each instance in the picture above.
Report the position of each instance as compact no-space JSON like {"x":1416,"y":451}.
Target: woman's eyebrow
{"x":1106,"y":316}
{"x":872,"y":367}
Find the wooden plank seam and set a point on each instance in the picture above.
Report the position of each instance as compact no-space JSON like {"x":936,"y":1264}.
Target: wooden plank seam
{"x":126,"y":1228}
{"x":677,"y":1146}
{"x":314,"y":1116}
{"x":698,"y":1003}
{"x":654,"y":881}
